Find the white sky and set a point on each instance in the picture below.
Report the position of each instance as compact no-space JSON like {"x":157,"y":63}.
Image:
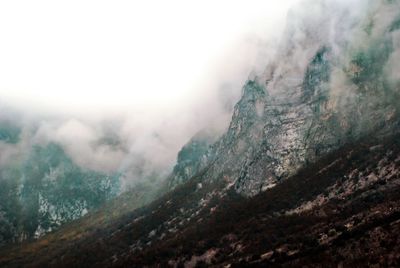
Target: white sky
{"x":111,"y":55}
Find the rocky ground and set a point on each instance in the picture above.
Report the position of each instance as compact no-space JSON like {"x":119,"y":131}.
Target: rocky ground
{"x":342,"y":211}
{"x":307,"y":174}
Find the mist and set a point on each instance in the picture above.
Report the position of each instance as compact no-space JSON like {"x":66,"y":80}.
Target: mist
{"x":98,"y":99}
{"x":123,"y":86}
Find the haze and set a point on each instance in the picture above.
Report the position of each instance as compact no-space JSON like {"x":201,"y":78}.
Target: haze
{"x":87,"y":56}
{"x":146,"y":74}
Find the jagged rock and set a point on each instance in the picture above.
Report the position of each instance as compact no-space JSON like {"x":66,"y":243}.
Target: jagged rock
{"x":341,"y":209}
{"x":192,"y":158}
{"x":311,"y":100}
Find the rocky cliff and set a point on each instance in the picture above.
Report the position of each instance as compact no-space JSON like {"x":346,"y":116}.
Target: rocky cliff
{"x":46,"y":189}
{"x":307,"y":173}
{"x":328,"y":85}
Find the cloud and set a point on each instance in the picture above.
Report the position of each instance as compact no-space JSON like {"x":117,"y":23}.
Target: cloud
{"x":86,"y":144}
{"x":123,"y":86}
{"x":124,"y":93}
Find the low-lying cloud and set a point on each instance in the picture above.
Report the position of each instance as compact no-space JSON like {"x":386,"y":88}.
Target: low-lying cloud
{"x":129,"y":105}
{"x":123,"y":87}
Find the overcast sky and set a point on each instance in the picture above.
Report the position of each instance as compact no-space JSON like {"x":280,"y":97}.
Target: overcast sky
{"x":91,"y":56}
{"x":150,"y":74}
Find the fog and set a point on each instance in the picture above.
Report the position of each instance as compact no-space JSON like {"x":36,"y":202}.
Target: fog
{"x":122,"y":86}
{"x":80,"y":57}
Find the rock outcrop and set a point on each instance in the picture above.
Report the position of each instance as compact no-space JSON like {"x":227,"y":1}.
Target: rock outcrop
{"x":317,"y":95}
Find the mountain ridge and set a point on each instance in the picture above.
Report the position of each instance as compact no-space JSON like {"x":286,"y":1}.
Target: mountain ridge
{"x":286,"y":121}
{"x":307,"y":171}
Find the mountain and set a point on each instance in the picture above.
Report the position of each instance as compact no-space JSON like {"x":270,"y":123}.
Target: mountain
{"x":342,"y":210}
{"x":45,"y":190}
{"x":44,"y":184}
{"x":192,"y":158}
{"x":317,"y":95}
{"x":307,"y":173}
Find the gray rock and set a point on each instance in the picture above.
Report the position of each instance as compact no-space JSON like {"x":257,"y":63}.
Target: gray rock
{"x":316,"y":96}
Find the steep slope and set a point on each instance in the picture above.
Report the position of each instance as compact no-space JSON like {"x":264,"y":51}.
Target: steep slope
{"x":343,"y":210}
{"x":87,"y":226}
{"x":46,"y":189}
{"x":348,"y":200}
{"x":328,"y":85}
{"x":192,"y":158}
{"x":307,"y":172}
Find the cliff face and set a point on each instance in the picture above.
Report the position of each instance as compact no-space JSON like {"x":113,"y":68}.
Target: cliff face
{"x":192,"y":158}
{"x":46,"y":190}
{"x":343,"y":210}
{"x":328,"y":86}
{"x":316,"y":133}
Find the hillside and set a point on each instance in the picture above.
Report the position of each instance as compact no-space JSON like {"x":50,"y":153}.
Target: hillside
{"x":318,"y":94}
{"x":348,"y":200}
{"x":307,"y":174}
{"x":46,"y":189}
